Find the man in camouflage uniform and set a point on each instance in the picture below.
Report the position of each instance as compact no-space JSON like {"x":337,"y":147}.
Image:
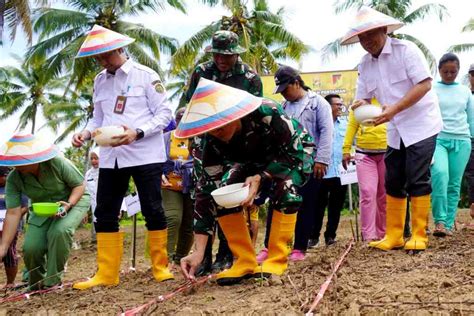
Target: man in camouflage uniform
{"x":226,"y":68}
{"x":266,"y":148}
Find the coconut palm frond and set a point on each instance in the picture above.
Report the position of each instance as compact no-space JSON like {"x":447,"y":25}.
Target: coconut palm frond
{"x":426,"y":10}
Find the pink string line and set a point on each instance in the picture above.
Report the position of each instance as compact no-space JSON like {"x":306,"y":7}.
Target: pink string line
{"x":162,"y":298}
{"x":19,"y":297}
{"x":326,"y":283}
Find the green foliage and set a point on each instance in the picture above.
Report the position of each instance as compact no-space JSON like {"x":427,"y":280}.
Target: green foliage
{"x":261,"y":32}
{"x":62,"y":32}
{"x":461,"y":48}
{"x":16,"y":13}
{"x":79,"y":157}
{"x":27,"y":90}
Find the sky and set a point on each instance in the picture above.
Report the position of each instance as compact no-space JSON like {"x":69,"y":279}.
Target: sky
{"x":313,"y":21}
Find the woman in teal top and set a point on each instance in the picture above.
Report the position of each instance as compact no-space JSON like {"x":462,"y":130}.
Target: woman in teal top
{"x":453,"y":145}
{"x":42,"y":176}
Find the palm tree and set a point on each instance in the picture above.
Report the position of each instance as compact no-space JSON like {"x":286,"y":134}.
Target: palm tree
{"x":399,"y":10}
{"x":28,"y":90}
{"x":460,"y":48}
{"x":261,"y":32}
{"x":16,"y":13}
{"x":71,"y":111}
{"x":62,"y":31}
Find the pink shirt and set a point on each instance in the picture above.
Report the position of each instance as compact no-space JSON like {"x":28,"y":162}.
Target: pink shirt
{"x":146,"y":108}
{"x":388,"y":78}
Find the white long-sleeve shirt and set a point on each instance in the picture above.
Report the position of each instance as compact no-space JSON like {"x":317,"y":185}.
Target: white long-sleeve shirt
{"x":146,"y":108}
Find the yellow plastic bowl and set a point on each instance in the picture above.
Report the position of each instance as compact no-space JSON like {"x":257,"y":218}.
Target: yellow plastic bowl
{"x":45,"y":209}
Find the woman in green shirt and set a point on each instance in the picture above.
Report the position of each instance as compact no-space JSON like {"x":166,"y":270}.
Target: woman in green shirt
{"x":42,"y":176}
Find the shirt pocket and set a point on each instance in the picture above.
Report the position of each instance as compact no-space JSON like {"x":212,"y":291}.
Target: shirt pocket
{"x":137,"y":91}
{"x":398,"y":76}
{"x":371,"y":87}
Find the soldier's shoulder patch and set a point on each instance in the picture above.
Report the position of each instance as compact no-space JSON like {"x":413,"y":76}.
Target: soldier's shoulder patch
{"x":158,"y":85}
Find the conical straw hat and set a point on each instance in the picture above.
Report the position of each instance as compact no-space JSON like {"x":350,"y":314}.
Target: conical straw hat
{"x":26,"y":149}
{"x":214,"y":105}
{"x":101,"y":40}
{"x":368,"y":19}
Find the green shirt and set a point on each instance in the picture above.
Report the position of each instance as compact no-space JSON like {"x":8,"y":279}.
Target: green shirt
{"x":57,"y":177}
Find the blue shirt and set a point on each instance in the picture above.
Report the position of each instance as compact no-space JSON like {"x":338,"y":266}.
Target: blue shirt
{"x":340,"y":126}
{"x":315,"y":114}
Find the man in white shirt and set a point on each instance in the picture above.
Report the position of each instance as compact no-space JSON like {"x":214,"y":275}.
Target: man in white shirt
{"x":396,"y":74}
{"x":131,"y":95}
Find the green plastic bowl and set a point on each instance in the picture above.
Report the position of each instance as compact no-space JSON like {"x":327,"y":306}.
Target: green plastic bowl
{"x":45,"y":209}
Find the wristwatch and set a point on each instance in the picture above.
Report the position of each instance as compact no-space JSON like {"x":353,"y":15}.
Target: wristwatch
{"x":140,"y":134}
{"x":71,"y":205}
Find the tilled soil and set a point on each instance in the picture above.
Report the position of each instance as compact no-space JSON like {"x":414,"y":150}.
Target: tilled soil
{"x":437,"y":281}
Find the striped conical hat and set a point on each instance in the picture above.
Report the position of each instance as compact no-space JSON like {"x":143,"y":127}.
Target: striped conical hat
{"x":26,"y":149}
{"x":101,"y":40}
{"x":214,"y":105}
{"x":368,"y":19}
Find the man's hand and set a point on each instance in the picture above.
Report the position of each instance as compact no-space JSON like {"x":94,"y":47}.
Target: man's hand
{"x":164,"y":181}
{"x":319,"y":170}
{"x":128,"y":137}
{"x":190,"y":263}
{"x":388,"y":112}
{"x":66,"y":207}
{"x":254,"y":183}
{"x":346,"y":158}
{"x":358,"y":103}
{"x":78,"y":139}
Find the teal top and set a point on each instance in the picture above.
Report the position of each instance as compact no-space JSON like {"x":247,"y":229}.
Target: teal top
{"x":457,"y":110}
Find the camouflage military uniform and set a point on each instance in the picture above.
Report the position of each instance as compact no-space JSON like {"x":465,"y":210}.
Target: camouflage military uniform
{"x":241,"y":77}
{"x":269,"y":141}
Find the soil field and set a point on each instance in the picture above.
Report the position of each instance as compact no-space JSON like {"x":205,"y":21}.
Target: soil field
{"x":439,"y":281}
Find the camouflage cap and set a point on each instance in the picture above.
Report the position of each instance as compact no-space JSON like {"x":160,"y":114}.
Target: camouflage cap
{"x":225,"y":42}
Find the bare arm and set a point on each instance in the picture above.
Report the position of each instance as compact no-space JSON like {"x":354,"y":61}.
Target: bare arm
{"x":10,"y":227}
{"x":74,"y":197}
{"x":190,"y":263}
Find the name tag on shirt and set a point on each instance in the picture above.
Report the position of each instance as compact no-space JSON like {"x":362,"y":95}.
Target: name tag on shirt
{"x":120,"y":104}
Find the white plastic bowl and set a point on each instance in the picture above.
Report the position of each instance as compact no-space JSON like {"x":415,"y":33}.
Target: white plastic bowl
{"x":103,"y":135}
{"x":230,"y":195}
{"x":365,"y":114}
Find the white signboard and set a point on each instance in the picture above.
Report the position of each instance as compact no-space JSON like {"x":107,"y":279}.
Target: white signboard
{"x":348,"y":176}
{"x":3,"y":214}
{"x":133,"y":204}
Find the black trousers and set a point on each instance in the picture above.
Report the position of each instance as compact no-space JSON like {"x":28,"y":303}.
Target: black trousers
{"x":112,"y":186}
{"x":331,"y":195}
{"x":305,"y":217}
{"x":469,"y":174}
{"x":407,"y":169}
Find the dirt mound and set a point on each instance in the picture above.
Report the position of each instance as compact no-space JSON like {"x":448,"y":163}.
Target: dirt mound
{"x":370,"y":282}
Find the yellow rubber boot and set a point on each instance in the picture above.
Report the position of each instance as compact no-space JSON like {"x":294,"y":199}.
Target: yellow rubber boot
{"x":281,"y":233}
{"x":420,"y":208}
{"x":235,"y":230}
{"x":396,"y":212}
{"x":109,"y":257}
{"x":157,"y":239}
